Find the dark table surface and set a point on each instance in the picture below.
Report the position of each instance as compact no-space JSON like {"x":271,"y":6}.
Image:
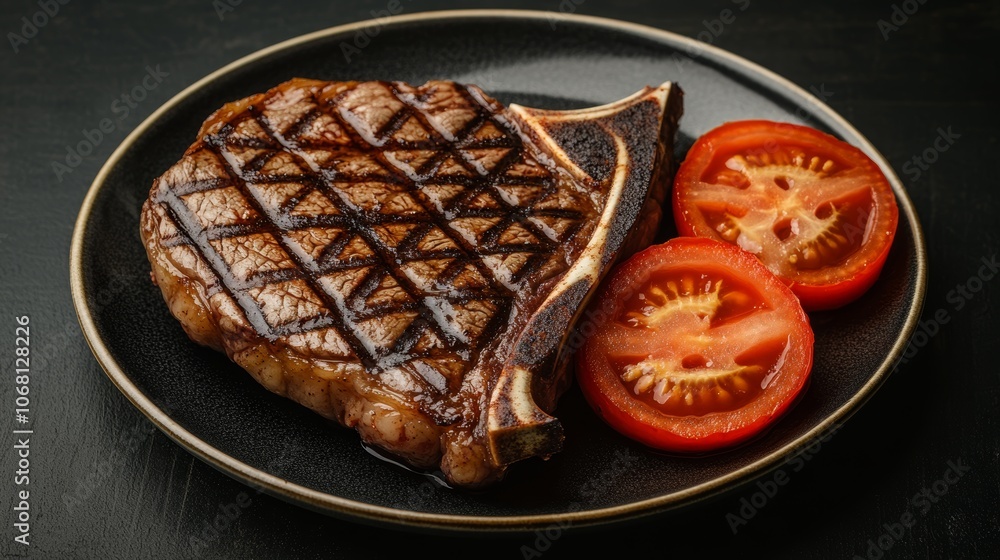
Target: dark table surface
{"x":882,"y":479}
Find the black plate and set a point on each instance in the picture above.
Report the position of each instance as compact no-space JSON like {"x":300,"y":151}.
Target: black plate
{"x":214,"y":409}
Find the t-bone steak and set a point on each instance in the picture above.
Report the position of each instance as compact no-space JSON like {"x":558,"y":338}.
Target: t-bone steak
{"x":408,"y":260}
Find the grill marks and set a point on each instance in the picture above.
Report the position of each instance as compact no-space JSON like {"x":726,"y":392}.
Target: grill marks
{"x":368,"y":279}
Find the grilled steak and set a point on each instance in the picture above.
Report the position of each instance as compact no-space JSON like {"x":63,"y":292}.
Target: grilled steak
{"x":408,"y":261}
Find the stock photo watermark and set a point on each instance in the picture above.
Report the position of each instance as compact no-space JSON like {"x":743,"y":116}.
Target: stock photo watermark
{"x":712,"y":29}
{"x":958,"y":297}
{"x":918,"y":505}
{"x":225,"y":515}
{"x":103,"y":469}
{"x":898,"y":16}
{"x":364,"y":36}
{"x":22,"y":430}
{"x":223,"y":7}
{"x":768,"y":487}
{"x":32,"y":24}
{"x":545,"y":538}
{"x":70,"y":330}
{"x":121,"y":107}
{"x":213,"y":529}
{"x":565,"y":8}
{"x":945,"y":139}
{"x":29,"y":358}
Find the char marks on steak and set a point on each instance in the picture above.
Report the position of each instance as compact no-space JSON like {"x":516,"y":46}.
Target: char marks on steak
{"x":408,"y":261}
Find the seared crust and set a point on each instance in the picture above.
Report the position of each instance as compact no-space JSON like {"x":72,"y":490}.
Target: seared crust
{"x":378,"y":252}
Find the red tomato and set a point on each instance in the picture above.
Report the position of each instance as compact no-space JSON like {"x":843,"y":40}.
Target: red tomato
{"x":701,"y":348}
{"x":817,"y":211}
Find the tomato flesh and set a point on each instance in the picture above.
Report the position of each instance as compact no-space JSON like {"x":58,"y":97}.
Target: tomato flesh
{"x":703,"y":347}
{"x":817,"y":211}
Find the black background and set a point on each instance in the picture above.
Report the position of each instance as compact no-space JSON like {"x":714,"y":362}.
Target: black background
{"x":145,"y":497}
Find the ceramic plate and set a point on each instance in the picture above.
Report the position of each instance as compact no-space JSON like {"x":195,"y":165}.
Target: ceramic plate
{"x":213,"y":408}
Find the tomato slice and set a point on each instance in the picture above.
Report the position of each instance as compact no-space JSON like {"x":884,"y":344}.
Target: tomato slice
{"x":701,"y":348}
{"x":817,"y":211}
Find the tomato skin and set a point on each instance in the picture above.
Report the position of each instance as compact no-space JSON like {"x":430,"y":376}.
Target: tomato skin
{"x":633,"y":426}
{"x":618,"y":406}
{"x":844,"y":285}
{"x":833,"y":296}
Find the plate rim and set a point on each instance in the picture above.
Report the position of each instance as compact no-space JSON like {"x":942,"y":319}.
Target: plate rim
{"x":362,"y":511}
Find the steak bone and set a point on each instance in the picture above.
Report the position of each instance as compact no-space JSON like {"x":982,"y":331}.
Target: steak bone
{"x":625,"y":145}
